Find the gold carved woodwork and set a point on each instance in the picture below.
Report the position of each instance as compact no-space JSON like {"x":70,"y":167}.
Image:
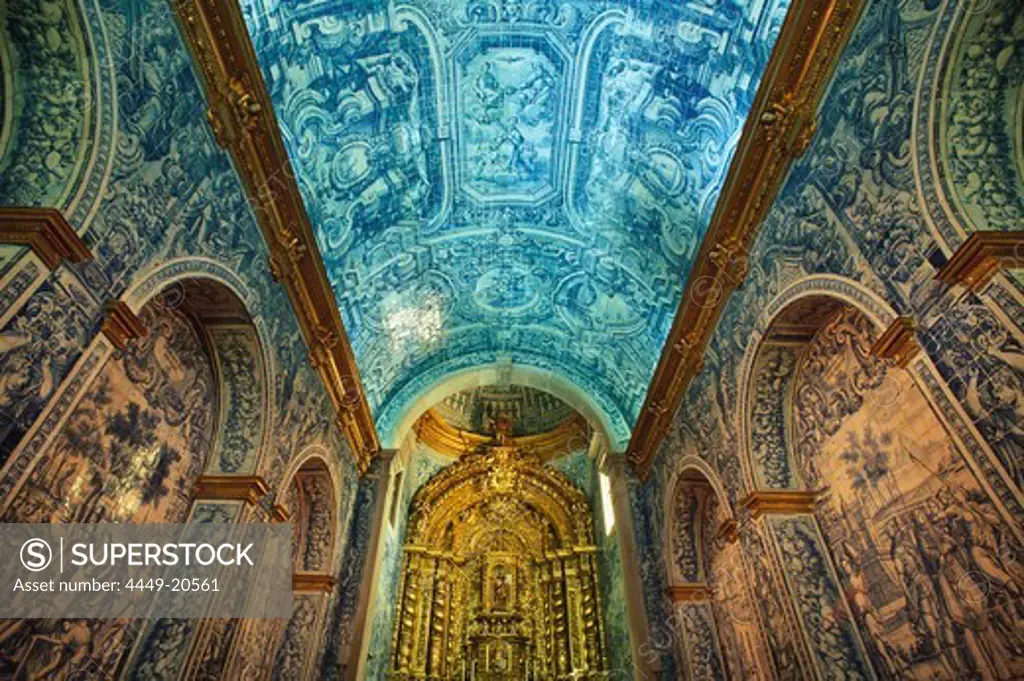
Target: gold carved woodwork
{"x":696,"y":592}
{"x":312,"y":582}
{"x":248,"y":488}
{"x":569,"y":436}
{"x":981,"y":256}
{"x":121,"y":324}
{"x":897,"y":343}
{"x":778,"y":130}
{"x":45,"y":232}
{"x":243,"y":121}
{"x":770,"y":502}
{"x":279,"y":514}
{"x":499,"y":576}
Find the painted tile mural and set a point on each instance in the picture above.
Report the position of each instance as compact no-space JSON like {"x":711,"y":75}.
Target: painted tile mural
{"x":579,"y":467}
{"x":420,"y":466}
{"x":930,"y":568}
{"x":110,"y":127}
{"x":508,"y":181}
{"x":133,"y":447}
{"x":923,"y":503}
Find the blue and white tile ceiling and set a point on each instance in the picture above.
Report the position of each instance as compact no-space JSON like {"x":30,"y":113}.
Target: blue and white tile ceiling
{"x":501,"y":181}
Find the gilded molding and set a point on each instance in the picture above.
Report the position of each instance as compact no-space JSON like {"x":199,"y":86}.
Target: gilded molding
{"x":243,"y":121}
{"x":981,"y":256}
{"x":897,"y":343}
{"x":772,"y":502}
{"x":778,"y":130}
{"x":248,"y":488}
{"x":690,"y":593}
{"x":46,"y":232}
{"x":312,"y":582}
{"x":565,"y":438}
{"x":121,"y":324}
{"x":279,"y":514}
{"x":728,"y":531}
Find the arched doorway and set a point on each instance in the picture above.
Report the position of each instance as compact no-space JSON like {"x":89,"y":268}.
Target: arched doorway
{"x":499,"y":577}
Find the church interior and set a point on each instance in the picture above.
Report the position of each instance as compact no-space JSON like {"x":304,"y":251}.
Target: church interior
{"x":574,"y":339}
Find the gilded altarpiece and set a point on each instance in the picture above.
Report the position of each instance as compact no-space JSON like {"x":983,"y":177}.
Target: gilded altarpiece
{"x":499,"y":577}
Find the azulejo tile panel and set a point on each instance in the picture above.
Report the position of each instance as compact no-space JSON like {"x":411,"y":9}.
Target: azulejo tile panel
{"x":501,"y":180}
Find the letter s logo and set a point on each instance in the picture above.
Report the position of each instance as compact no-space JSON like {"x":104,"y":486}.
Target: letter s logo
{"x":36,"y":555}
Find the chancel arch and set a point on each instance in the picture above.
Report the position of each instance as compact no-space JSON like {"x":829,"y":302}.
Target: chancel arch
{"x":609,"y":424}
{"x":499,"y":575}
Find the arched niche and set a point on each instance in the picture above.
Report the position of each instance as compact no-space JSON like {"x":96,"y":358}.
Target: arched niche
{"x":696,"y":511}
{"x":914,"y":537}
{"x":48,"y":115}
{"x":715,"y":630}
{"x":980,"y":114}
{"x":309,"y":496}
{"x":140,"y":433}
{"x":238,"y":346}
{"x":132,"y":445}
{"x":769,"y":392}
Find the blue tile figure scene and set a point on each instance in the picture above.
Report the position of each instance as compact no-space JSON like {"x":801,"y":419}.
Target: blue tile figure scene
{"x":572,"y":340}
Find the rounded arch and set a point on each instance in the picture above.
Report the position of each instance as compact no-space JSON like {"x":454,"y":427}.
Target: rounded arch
{"x":695,"y":508}
{"x":316,"y":457}
{"x":310,"y":494}
{"x":137,"y":433}
{"x":239,"y":344}
{"x":607,"y":425}
{"x":769,"y":365}
{"x":693,"y":463}
{"x":968,"y":137}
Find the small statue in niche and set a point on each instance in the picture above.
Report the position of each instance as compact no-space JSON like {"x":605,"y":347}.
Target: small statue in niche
{"x":501,"y":588}
{"x":500,"y":426}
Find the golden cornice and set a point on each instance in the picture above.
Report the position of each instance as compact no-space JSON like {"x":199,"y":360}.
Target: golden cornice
{"x":45,"y":232}
{"x":121,"y":324}
{"x":897,"y":343}
{"x":312,"y":582}
{"x":696,"y":592}
{"x":248,"y":488}
{"x":445,"y":438}
{"x":981,"y":256}
{"x":279,"y":513}
{"x":243,"y":121}
{"x":728,"y":531}
{"x":778,"y":130}
{"x":772,"y":502}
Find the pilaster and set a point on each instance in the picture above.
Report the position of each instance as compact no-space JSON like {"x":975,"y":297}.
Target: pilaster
{"x":803,"y":609}
{"x":362,"y":626}
{"x":614,"y":465}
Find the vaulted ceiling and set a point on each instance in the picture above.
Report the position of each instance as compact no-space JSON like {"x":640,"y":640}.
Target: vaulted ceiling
{"x":493,"y":181}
